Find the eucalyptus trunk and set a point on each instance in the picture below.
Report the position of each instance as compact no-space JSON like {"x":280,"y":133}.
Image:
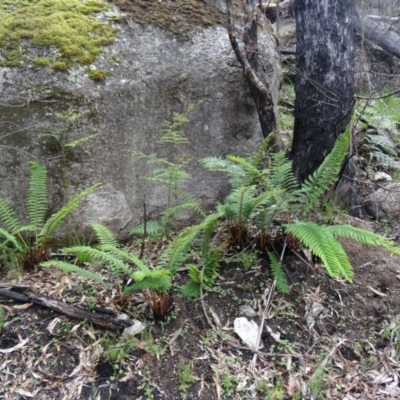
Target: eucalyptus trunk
{"x":324,"y":84}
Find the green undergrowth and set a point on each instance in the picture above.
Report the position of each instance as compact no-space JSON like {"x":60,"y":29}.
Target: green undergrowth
{"x":69,"y":26}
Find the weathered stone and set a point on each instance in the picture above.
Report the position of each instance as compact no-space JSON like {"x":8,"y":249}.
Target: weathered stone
{"x":106,"y":206}
{"x":152,"y":76}
{"x":247,"y":331}
{"x":382,"y":176}
{"x":385,"y":204}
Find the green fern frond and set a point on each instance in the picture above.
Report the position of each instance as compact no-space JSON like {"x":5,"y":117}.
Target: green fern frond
{"x":253,"y":174}
{"x":7,"y":216}
{"x":158,"y":280}
{"x":104,"y":235}
{"x":384,"y":143}
{"x":262,"y":151}
{"x":322,"y":243}
{"x":115,"y":263}
{"x":169,"y":175}
{"x":9,"y":238}
{"x":322,"y":179}
{"x":77,"y":142}
{"x":363,"y":236}
{"x":173,"y":211}
{"x":153,"y":228}
{"x":385,"y":160}
{"x":278,"y":273}
{"x":240,"y":203}
{"x":191,"y":289}
{"x":37,"y":195}
{"x":237,"y":176}
{"x":282,"y":176}
{"x":68,"y":267}
{"x":124,"y":255}
{"x":56,"y":219}
{"x":174,"y":255}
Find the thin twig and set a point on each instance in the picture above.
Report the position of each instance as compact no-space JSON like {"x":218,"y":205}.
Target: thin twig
{"x":266,"y":309}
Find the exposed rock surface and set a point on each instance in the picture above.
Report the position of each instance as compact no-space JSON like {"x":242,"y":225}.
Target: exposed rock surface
{"x":384,"y":204}
{"x":152,"y":76}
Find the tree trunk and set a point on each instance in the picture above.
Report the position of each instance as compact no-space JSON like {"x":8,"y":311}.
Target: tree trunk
{"x":324,"y":83}
{"x":258,"y":86}
{"x":378,"y":32}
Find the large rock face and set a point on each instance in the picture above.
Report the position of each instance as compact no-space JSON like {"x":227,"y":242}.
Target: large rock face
{"x":152,"y":76}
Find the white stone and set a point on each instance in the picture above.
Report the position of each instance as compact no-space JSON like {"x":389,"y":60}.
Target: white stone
{"x":382,"y":176}
{"x":247,"y":331}
{"x":133,"y":330}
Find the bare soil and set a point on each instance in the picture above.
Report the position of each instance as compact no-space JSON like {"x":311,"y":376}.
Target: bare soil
{"x":326,"y":339}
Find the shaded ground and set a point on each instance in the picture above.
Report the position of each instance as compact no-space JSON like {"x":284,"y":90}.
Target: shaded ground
{"x":327,"y":339}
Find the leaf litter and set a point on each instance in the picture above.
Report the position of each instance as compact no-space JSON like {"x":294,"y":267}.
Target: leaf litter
{"x":325,"y":340}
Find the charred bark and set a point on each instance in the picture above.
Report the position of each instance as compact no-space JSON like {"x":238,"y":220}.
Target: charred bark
{"x":102,"y":320}
{"x":259,"y":88}
{"x":324,"y":81}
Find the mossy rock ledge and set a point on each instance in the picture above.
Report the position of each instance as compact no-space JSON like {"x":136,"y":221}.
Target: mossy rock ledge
{"x":141,"y":75}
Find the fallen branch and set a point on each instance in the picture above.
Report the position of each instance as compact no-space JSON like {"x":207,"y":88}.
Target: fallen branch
{"x":102,"y":320}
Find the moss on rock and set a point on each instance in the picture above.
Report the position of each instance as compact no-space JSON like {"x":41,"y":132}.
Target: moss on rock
{"x":180,"y":17}
{"x":69,"y":26}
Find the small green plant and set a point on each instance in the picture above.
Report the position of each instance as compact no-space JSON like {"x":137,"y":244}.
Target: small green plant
{"x":269,"y":392}
{"x":381,"y":119}
{"x":186,"y":378}
{"x":99,"y":75}
{"x":65,"y":146}
{"x":117,"y":349}
{"x":317,"y":384}
{"x":170,"y":172}
{"x":29,"y":242}
{"x":265,"y":193}
{"x":155,"y":283}
{"x":2,"y":318}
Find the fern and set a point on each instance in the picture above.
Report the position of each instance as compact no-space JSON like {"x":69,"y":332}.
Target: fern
{"x":281,"y":176}
{"x":115,"y":263}
{"x":104,"y":235}
{"x":7,"y":216}
{"x":37,"y":195}
{"x":237,"y":176}
{"x":322,"y":243}
{"x":153,"y":228}
{"x":69,"y":268}
{"x":56,"y":219}
{"x":363,"y":236}
{"x":253,"y":175}
{"x":382,"y":142}
{"x":262,"y":151}
{"x":323,"y":178}
{"x":157,"y":280}
{"x":278,"y":273}
{"x":29,"y":242}
{"x":385,"y":160}
{"x":9,"y":238}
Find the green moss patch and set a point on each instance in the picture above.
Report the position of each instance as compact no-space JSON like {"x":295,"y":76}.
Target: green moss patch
{"x":69,"y":26}
{"x":180,"y":17}
{"x":99,"y":75}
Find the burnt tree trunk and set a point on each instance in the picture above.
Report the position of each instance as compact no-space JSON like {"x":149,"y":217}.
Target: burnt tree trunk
{"x":324,"y":80}
{"x":258,"y":86}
